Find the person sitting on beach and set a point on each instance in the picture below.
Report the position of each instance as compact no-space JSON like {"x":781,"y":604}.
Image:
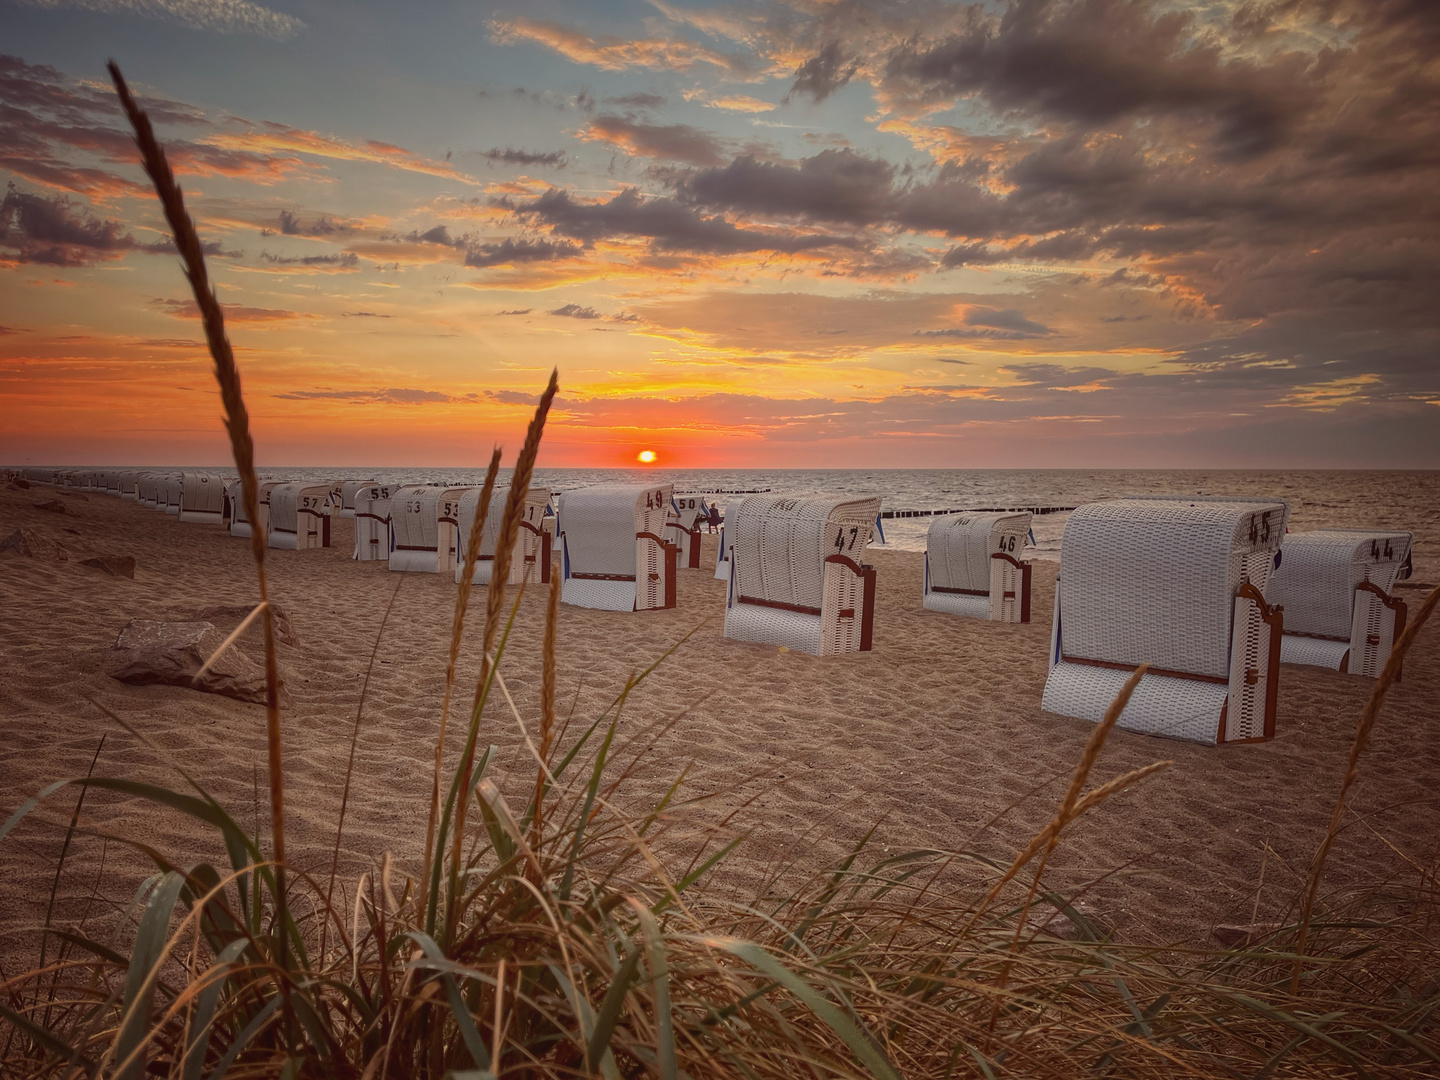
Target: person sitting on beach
{"x":713,"y":518}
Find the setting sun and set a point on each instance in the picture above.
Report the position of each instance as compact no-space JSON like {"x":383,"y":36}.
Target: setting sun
{"x":646,"y":457}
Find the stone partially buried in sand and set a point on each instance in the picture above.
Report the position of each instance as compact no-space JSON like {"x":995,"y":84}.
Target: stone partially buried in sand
{"x":172,"y":653}
{"x":32,"y":545}
{"x":114,"y":565}
{"x":229,"y":616}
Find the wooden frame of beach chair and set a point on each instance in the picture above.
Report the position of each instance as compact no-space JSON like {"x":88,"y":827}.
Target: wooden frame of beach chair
{"x":797,"y":577}
{"x":972,"y":569}
{"x":348,"y":488}
{"x":1336,"y":587}
{"x":372,"y":523}
{"x":683,"y":529}
{"x":300,"y":516}
{"x":532,"y":547}
{"x":202,"y":498}
{"x":1179,"y":583}
{"x":425,"y":528}
{"x":613,"y":552}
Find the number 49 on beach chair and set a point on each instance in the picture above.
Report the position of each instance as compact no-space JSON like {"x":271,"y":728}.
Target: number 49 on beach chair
{"x":797,"y":573}
{"x":1179,"y":583}
{"x":613,"y":552}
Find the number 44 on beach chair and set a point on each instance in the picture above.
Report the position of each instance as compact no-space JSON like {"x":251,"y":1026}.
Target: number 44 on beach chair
{"x":797,"y":573}
{"x":1178,"y":583}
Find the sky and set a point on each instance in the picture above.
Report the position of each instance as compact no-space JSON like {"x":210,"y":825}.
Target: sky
{"x":775,"y":233}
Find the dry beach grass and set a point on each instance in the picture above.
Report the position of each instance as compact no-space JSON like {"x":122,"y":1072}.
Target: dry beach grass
{"x":867,"y":925}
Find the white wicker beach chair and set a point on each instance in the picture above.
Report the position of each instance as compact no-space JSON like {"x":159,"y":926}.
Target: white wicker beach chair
{"x":202,"y":498}
{"x":1335,"y":585}
{"x":797,"y":573}
{"x":1178,"y":582}
{"x":372,"y":523}
{"x":972,"y":566}
{"x":348,"y":489}
{"x":169,"y":493}
{"x":684,"y":528}
{"x":424,"y":521}
{"x":613,"y":553}
{"x":239,"y":524}
{"x":300,"y":515}
{"x":130,"y":485}
{"x":532,"y":547}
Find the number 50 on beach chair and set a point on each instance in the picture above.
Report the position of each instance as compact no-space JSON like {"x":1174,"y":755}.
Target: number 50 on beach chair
{"x":1179,"y":583}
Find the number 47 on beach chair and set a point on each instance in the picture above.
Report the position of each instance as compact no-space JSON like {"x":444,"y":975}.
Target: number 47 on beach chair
{"x":797,"y":573}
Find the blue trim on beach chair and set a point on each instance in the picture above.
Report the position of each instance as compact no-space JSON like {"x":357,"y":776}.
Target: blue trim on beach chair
{"x":880,"y":528}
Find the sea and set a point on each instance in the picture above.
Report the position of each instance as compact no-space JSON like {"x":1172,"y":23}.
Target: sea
{"x":1318,"y":498}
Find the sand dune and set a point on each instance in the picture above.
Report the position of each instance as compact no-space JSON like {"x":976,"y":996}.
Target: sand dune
{"x":937,"y":734}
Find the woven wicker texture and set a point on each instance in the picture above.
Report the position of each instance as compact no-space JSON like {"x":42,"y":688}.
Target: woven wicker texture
{"x":423,"y":528}
{"x":348,"y":489}
{"x":1154,"y":579}
{"x":601,"y":531}
{"x":1317,"y":652}
{"x":372,"y":523}
{"x":526,"y":546}
{"x":958,"y":550}
{"x":202,"y":498}
{"x":1319,"y":571}
{"x":299,"y":516}
{"x":168,"y":491}
{"x":778,"y":551}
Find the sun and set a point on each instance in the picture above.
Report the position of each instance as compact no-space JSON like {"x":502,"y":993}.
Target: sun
{"x":646,"y":457}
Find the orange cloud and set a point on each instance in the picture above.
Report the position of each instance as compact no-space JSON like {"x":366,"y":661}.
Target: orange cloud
{"x":606,"y":52}
{"x":275,"y":138}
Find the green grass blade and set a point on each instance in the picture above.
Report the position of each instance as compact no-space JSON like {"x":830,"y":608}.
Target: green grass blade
{"x":245,"y":1038}
{"x":610,"y":1006}
{"x":568,"y":878}
{"x":30,"y":804}
{"x":194,"y":1059}
{"x":659,"y":965}
{"x":463,"y":1020}
{"x":859,"y":1042}
{"x":145,"y":961}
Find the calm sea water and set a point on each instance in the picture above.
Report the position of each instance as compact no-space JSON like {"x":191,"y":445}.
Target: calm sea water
{"x":1318,"y":498}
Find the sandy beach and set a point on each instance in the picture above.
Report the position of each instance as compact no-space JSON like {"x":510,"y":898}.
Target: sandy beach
{"x":937,"y":735}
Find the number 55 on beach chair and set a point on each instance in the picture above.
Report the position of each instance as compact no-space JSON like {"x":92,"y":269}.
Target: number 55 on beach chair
{"x":1335,"y":585}
{"x":1179,"y":583}
{"x":973,"y":567}
{"x":797,"y":573}
{"x":613,"y":552}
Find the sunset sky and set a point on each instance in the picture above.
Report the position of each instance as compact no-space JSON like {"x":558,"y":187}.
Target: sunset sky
{"x":888,"y":233}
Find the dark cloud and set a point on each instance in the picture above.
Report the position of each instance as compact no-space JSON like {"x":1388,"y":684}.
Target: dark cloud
{"x":555,"y":159}
{"x":995,"y":324}
{"x":669,"y":225}
{"x":824,"y":73}
{"x":186,"y":309}
{"x":365,"y":315}
{"x":575,"y":311}
{"x":512,"y":397}
{"x":517,"y":311}
{"x":508,"y":252}
{"x":323,"y":226}
{"x":637,"y":101}
{"x":346,"y":260}
{"x":56,"y":232}
{"x":666,"y":142}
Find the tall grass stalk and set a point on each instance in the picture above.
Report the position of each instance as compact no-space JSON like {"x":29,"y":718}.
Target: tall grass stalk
{"x":237,"y":424}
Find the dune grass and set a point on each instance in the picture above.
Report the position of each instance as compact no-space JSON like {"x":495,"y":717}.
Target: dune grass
{"x":552,"y":932}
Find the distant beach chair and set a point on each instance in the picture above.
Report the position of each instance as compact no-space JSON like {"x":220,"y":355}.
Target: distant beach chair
{"x":722,"y":551}
{"x":1335,"y":585}
{"x":300,"y":516}
{"x":130,"y":485}
{"x":348,"y":488}
{"x":685,"y":527}
{"x":202,"y":498}
{"x":1178,"y":582}
{"x":972,"y":566}
{"x":240,"y":525}
{"x":532,"y":546}
{"x":797,"y":575}
{"x":424,"y":524}
{"x":170,"y":493}
{"x":613,"y":553}
{"x":372,"y":522}
{"x":146,"y":487}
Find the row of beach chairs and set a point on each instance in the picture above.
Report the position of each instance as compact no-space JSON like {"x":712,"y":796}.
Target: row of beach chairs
{"x":1211,"y":591}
